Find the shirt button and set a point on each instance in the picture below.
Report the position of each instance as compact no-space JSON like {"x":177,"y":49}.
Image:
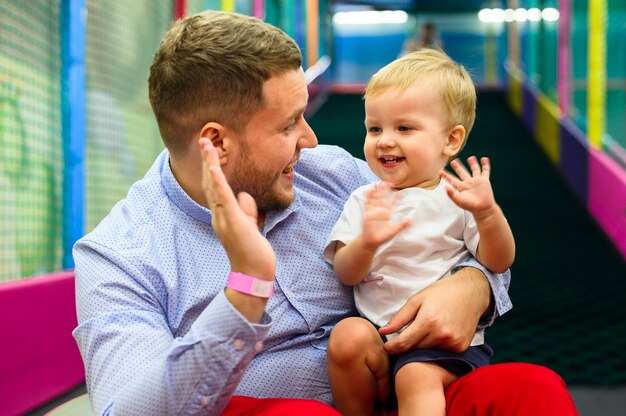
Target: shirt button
{"x":205,"y":401}
{"x":258,"y":346}
{"x":290,"y":293}
{"x":238,"y":344}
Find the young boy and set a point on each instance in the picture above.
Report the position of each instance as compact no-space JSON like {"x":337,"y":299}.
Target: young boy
{"x":396,"y":237}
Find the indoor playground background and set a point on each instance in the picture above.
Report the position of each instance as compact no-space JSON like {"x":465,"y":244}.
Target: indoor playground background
{"x":76,"y":130}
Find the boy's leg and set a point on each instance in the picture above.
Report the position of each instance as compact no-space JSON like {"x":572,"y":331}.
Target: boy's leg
{"x":357,"y":367}
{"x":511,"y":389}
{"x":419,"y":388}
{"x":248,"y":406}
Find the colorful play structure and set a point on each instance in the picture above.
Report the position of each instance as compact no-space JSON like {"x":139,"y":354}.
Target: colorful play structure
{"x":580,"y":120}
{"x":76,"y":129}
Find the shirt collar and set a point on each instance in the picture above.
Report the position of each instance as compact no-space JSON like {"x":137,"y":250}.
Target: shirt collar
{"x":178,"y":196}
{"x":274,"y":217}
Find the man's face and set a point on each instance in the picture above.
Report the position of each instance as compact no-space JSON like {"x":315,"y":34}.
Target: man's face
{"x":271,"y":143}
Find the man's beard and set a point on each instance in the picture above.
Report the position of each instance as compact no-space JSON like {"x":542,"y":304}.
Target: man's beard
{"x":248,"y":177}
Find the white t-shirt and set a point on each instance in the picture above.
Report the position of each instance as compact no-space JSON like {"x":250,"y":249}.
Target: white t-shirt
{"x":440,"y":236}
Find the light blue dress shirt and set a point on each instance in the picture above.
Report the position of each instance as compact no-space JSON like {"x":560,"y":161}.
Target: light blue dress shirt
{"x":156,"y":333}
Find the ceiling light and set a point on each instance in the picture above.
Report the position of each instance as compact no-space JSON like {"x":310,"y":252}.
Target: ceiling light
{"x":550,"y":14}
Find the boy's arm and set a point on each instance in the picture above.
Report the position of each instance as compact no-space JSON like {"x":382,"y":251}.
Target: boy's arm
{"x":473,"y":192}
{"x":496,"y":249}
{"x":352,"y":262}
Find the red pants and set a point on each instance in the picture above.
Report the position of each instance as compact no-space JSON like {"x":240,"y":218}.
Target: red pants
{"x":247,"y":406}
{"x":509,"y":390}
{"x":501,"y":390}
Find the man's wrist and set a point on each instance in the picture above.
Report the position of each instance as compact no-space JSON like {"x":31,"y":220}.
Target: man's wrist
{"x":250,"y":285}
{"x":498,"y":288}
{"x":481,"y":287}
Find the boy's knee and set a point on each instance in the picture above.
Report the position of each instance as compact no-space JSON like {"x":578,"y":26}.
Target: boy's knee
{"x":350,"y":338}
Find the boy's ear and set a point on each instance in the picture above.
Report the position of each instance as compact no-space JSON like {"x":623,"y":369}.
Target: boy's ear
{"x":219,"y":137}
{"x":456,"y":139}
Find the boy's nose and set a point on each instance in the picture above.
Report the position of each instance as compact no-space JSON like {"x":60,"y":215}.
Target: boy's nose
{"x":386,"y":140}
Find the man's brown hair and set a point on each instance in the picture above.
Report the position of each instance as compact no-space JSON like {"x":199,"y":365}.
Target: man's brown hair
{"x":211,"y":67}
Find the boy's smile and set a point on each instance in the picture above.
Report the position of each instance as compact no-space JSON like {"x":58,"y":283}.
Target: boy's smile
{"x":407,"y":135}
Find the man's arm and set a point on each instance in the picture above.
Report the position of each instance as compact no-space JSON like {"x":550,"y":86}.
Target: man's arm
{"x":498,"y":283}
{"x":235,"y":221}
{"x":133,"y":362}
{"x":446,"y":314}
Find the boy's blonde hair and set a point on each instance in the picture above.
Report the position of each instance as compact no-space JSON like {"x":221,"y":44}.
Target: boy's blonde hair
{"x":435,"y":67}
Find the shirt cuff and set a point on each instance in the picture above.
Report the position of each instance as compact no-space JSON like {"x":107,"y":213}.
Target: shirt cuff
{"x":221,"y":321}
{"x":231,"y":341}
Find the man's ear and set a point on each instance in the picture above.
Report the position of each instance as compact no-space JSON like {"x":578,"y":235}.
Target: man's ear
{"x":456,"y":139}
{"x":217,"y":133}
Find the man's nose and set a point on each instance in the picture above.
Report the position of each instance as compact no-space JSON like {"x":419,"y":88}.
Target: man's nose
{"x":307,"y":138}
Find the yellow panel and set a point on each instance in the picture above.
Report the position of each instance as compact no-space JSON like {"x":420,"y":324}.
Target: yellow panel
{"x":228,"y":5}
{"x":514,"y":95}
{"x":547,"y":128}
{"x":515,"y":91}
{"x":596,"y":98}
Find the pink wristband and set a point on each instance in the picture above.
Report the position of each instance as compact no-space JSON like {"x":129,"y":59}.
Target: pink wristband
{"x":250,"y":285}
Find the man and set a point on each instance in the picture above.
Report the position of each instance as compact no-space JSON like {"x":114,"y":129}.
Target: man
{"x":175,"y":309}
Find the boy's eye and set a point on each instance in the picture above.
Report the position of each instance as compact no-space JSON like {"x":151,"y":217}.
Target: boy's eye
{"x":373,"y":129}
{"x":404,"y":128}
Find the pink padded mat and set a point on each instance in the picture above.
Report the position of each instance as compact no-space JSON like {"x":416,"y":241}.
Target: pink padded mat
{"x":39,"y":359}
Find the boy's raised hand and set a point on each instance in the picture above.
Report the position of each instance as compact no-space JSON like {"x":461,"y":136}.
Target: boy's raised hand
{"x":377,"y":226}
{"x":470,"y":191}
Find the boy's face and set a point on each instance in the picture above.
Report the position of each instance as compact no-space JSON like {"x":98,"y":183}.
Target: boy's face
{"x":407,"y":136}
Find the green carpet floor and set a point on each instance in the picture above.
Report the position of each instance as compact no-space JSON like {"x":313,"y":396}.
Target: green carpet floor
{"x":569,"y":282}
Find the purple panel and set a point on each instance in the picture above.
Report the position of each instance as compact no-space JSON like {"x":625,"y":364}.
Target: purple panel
{"x":529,"y":108}
{"x":607,"y":197}
{"x":574,"y":158}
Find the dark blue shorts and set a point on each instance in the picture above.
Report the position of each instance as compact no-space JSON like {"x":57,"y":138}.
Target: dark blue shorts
{"x":457,"y":363}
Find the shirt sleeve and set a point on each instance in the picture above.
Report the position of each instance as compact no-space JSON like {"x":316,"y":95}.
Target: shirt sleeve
{"x":348,"y":226}
{"x":499,"y":283}
{"x":365,"y":171}
{"x":134,"y":364}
